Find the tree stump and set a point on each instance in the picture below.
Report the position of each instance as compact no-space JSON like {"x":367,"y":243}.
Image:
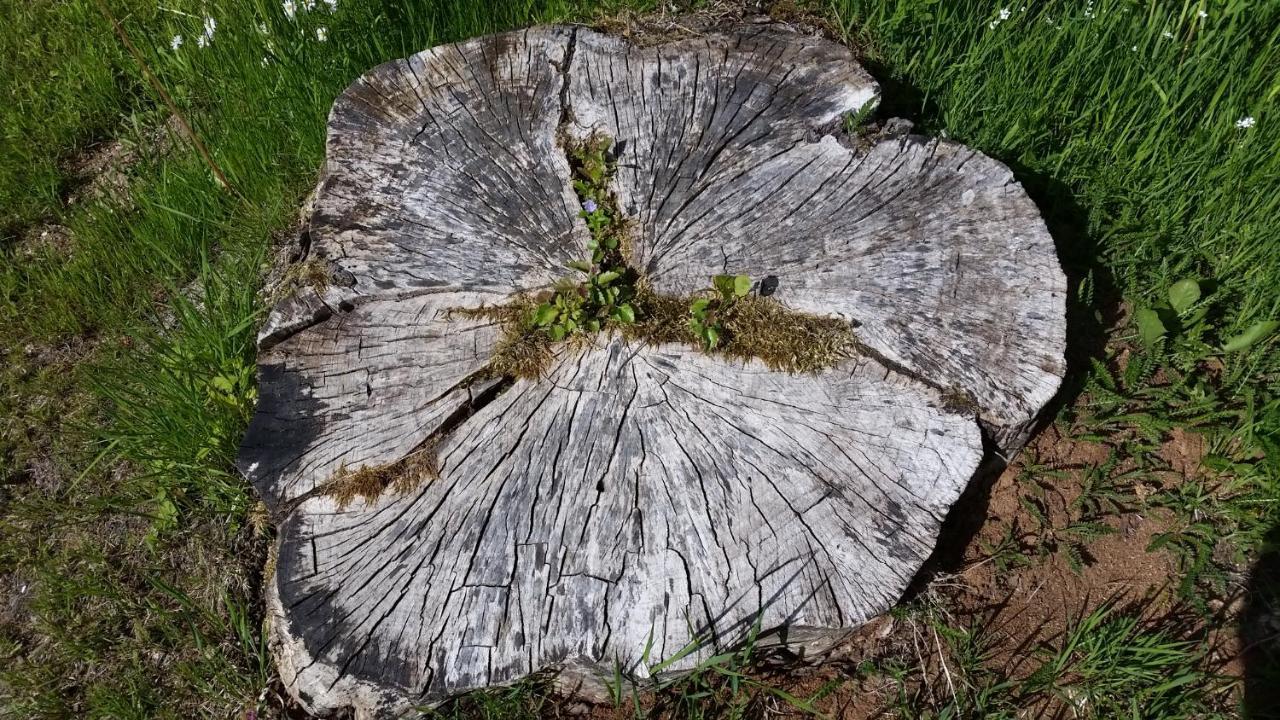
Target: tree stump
{"x":633,"y":496}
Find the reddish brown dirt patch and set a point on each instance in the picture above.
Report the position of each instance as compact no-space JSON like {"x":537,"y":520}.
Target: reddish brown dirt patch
{"x":1035,"y":603}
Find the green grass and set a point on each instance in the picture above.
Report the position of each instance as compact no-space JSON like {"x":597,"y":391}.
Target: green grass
{"x":118,"y":506}
{"x":65,"y":83}
{"x":1107,"y":664}
{"x":1122,"y":131}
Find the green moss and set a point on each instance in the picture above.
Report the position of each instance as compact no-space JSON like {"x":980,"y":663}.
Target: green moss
{"x":785,"y":339}
{"x":725,"y":320}
{"x":313,"y":273}
{"x":754,"y":328}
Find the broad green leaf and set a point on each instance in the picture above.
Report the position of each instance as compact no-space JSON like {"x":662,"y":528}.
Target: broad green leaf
{"x":164,"y":518}
{"x":582,"y":265}
{"x":741,"y":285}
{"x":1254,"y":333}
{"x":723,"y":284}
{"x":544,"y":314}
{"x":699,"y":306}
{"x":712,"y":335}
{"x":221,"y":383}
{"x":593,"y":325}
{"x":557,"y":332}
{"x":1150,"y":329}
{"x":607,"y":277}
{"x":626,"y":314}
{"x":1183,"y":294}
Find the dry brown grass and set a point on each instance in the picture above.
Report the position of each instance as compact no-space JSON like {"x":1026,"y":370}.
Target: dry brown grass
{"x":369,"y":482}
{"x":524,"y":350}
{"x":685,"y":21}
{"x":753,"y":328}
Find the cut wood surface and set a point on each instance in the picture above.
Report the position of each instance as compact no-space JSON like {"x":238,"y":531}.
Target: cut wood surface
{"x":632,"y":495}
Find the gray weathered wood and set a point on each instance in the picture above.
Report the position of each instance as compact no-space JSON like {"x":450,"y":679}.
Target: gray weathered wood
{"x":632,"y":492}
{"x":933,"y":248}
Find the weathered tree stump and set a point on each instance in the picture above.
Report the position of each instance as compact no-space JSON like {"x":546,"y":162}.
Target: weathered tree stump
{"x":633,"y":494}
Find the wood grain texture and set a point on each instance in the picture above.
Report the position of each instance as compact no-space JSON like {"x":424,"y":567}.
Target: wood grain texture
{"x":361,"y":389}
{"x":934,"y":250}
{"x":632,"y":491}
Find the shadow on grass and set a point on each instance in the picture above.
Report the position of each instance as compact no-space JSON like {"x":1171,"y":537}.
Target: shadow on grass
{"x":1260,"y":635}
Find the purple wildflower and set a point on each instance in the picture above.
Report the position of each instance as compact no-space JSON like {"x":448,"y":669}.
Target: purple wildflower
{"x":589,"y":205}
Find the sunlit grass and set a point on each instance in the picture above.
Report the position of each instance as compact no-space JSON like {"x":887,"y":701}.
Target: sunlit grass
{"x":1127,"y":133}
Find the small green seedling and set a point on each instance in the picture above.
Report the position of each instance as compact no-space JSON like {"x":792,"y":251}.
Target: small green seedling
{"x":605,"y":295}
{"x":706,"y":314}
{"x":587,"y":307}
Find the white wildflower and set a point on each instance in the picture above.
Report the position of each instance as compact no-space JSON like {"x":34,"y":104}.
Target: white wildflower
{"x":1134,"y":48}
{"x":1167,"y":35}
{"x":176,"y":42}
{"x":290,"y":8}
{"x":1245,"y":123}
{"x":1004,"y":13}
{"x":210,"y":25}
{"x":322,"y":33}
{"x":1202,"y":15}
{"x":265,"y":61}
{"x":262,"y":28}
{"x":309,"y":4}
{"x":333,"y":4}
